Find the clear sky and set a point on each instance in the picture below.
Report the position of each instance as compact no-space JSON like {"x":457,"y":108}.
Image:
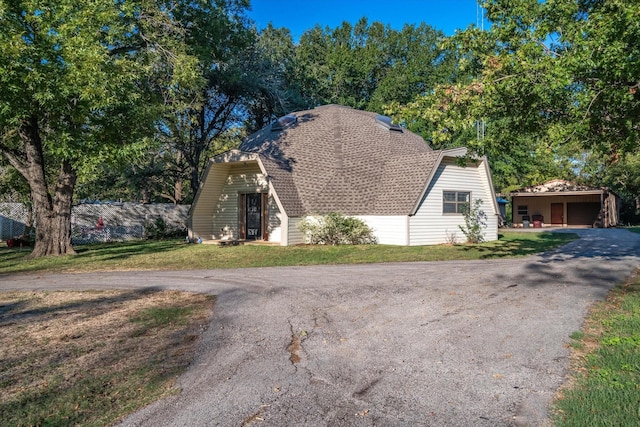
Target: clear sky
{"x":300,"y":15}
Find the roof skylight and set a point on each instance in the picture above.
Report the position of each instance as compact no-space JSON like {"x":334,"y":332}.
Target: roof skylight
{"x":386,"y":122}
{"x":283,"y":122}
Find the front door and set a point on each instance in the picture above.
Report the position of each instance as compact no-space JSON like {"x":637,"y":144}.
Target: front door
{"x":253,"y":216}
{"x":557,"y":213}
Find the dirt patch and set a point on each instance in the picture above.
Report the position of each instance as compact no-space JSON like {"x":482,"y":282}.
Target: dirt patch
{"x":82,"y":355}
{"x":295,"y":346}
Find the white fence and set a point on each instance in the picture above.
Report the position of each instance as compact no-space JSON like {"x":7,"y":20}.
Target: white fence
{"x":13,"y":217}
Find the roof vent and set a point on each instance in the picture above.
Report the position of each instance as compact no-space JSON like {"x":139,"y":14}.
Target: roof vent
{"x":386,"y":122}
{"x":283,"y":122}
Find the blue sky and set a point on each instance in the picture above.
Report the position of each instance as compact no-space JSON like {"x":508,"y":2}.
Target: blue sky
{"x":300,"y":15}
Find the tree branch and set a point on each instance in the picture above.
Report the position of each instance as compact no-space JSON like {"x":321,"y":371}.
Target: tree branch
{"x":586,"y":113}
{"x":17,"y":163}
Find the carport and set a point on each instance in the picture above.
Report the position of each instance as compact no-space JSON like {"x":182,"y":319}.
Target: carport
{"x":563,"y":203}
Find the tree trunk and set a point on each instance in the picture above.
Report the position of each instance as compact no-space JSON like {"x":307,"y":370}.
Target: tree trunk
{"x":177,"y":192}
{"x":52,"y":213}
{"x":53,"y":220}
{"x":194,"y":180}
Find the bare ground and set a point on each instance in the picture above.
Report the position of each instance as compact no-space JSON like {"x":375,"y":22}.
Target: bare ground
{"x":61,"y":350}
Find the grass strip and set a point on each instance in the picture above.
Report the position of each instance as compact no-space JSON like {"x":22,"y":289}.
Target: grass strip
{"x":90,"y":358}
{"x":604,"y":389}
{"x":178,"y":255}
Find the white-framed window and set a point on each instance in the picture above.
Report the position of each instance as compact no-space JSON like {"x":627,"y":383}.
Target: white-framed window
{"x":455,"y":202}
{"x":523,"y":210}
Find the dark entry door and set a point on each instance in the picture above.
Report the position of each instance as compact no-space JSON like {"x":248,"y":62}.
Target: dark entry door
{"x":557,"y":213}
{"x":254,"y":216}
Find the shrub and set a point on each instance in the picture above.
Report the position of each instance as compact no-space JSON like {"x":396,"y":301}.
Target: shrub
{"x":475,"y":220}
{"x":336,"y":229}
{"x":159,"y":230}
{"x":451,"y":237}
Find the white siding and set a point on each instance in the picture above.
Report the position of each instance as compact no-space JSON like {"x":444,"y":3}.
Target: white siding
{"x":241,"y":179}
{"x":430,"y":226}
{"x":490,"y":205}
{"x":216,"y":216}
{"x":389,"y":230}
{"x":274,"y":221}
{"x":295,"y":236}
{"x":200,"y":224}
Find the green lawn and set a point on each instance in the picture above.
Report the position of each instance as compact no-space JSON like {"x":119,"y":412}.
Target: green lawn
{"x":178,"y":255}
{"x":605,"y":388}
{"x":605,"y":374}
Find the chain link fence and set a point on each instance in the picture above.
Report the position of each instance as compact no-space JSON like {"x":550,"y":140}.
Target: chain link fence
{"x":13,"y":220}
{"x":105,"y":222}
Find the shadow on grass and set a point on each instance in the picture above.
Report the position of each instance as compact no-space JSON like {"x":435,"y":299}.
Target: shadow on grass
{"x":116,"y":251}
{"x":86,"y":376}
{"x":16,"y":312}
{"x":15,"y":261}
{"x":511,"y":244}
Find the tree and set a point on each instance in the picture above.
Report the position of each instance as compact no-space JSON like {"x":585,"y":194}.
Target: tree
{"x":247,"y":87}
{"x":81,"y":81}
{"x":247,"y":83}
{"x":368,"y":65}
{"x":552,"y":82}
{"x":582,"y":58}
{"x":218,"y":35}
{"x":276,"y":90}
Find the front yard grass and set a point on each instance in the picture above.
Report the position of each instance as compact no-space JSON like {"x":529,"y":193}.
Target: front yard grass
{"x":604,"y":389}
{"x":178,"y":255}
{"x":89,"y":358}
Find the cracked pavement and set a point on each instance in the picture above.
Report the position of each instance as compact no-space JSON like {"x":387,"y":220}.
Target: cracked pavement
{"x":455,"y":343}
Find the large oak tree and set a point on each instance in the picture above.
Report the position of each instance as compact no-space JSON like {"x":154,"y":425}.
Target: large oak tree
{"x":82,"y":83}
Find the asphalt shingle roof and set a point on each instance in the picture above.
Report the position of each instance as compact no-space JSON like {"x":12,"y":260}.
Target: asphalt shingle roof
{"x":335,"y":158}
{"x":557,"y":186}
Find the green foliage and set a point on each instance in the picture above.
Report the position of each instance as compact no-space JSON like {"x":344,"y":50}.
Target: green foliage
{"x":83,"y":84}
{"x":336,"y":229}
{"x":80,"y":68}
{"x":475,"y":220}
{"x":556,"y":84}
{"x":368,"y":65}
{"x":158,"y":230}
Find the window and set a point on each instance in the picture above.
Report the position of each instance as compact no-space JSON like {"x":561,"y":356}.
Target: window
{"x":523,"y":210}
{"x":455,"y":202}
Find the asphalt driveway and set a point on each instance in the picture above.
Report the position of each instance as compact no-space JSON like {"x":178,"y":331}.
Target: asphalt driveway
{"x":473,"y":343}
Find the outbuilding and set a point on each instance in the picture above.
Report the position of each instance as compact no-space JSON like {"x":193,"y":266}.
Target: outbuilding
{"x":561,"y":203}
{"x":338,"y":159}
